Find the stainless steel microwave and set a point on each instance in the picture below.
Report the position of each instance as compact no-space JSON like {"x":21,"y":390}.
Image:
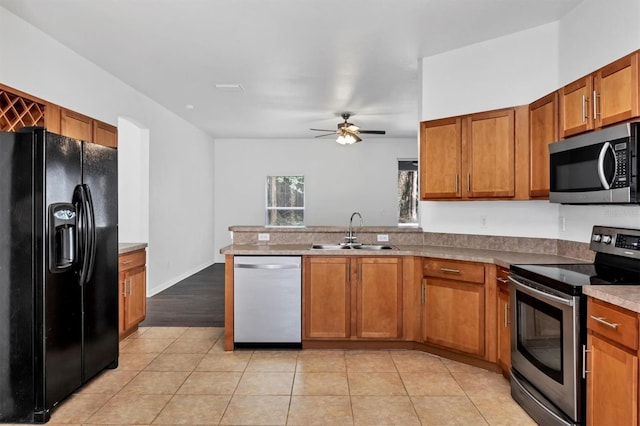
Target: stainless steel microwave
{"x":599,"y":167}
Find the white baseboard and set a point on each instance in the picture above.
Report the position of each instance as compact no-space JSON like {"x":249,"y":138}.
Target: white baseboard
{"x":175,"y":280}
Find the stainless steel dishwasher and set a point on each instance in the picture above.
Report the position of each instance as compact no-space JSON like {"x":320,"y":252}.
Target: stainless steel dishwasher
{"x":267,"y":301}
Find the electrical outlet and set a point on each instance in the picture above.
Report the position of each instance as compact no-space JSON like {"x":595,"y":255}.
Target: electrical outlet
{"x":562,"y":224}
{"x":264,"y":237}
{"x":383,"y":238}
{"x":483,"y":221}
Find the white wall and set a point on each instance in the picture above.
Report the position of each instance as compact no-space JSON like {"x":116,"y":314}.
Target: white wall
{"x":133,"y":182}
{"x":518,"y":69}
{"x":503,"y":72}
{"x":181,"y":225}
{"x":338,"y":179}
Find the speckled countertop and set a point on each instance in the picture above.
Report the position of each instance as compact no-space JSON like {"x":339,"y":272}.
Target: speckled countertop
{"x":500,"y":258}
{"x":129,"y":247}
{"x":625,"y":296}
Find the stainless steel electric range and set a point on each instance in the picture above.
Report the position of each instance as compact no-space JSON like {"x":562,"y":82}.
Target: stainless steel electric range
{"x":548,"y":334}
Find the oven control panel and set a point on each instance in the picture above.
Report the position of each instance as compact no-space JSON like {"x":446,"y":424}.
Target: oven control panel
{"x":618,"y":241}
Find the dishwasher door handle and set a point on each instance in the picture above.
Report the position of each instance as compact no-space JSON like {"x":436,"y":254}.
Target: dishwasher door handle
{"x":267,"y":266}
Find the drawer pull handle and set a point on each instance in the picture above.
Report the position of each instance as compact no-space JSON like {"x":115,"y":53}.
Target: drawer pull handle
{"x":601,"y":320}
{"x":503,"y":280}
{"x":450,"y":271}
{"x":126,"y":262}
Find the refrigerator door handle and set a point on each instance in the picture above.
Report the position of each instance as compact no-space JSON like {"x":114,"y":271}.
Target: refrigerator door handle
{"x":83,"y":235}
{"x":91,"y":232}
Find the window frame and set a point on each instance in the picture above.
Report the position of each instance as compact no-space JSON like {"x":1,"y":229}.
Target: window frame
{"x":269,"y":209}
{"x":416,"y":194}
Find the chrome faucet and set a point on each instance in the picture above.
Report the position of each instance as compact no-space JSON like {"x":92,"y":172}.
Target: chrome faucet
{"x":351,"y":238}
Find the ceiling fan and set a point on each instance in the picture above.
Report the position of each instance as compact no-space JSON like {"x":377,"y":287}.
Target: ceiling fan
{"x":348,"y":132}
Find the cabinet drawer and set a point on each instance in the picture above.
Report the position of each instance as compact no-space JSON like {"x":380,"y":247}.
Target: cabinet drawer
{"x":613,"y":323}
{"x":455,"y":270}
{"x":130,"y":260}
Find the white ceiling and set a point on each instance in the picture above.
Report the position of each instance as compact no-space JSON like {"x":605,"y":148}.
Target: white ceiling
{"x":301,"y":62}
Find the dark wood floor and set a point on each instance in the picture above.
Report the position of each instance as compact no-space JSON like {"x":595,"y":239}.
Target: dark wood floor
{"x":196,"y":301}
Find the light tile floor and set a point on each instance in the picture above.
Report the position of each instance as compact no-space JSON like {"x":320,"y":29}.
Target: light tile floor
{"x":181,"y":375}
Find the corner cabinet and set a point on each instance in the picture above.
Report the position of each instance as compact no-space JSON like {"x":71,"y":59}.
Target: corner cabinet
{"x":453,"y":305}
{"x":475,"y":156}
{"x":607,"y":96}
{"x":612,"y":364}
{"x":132,"y":277}
{"x":349,"y":297}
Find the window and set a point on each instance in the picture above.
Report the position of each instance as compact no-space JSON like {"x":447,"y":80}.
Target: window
{"x":407,"y":192}
{"x":285,"y":200}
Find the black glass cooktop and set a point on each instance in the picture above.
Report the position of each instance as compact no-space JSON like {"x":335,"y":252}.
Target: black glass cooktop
{"x":569,"y":278}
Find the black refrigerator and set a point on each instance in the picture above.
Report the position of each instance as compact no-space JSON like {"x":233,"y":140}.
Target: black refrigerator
{"x":58,"y":269}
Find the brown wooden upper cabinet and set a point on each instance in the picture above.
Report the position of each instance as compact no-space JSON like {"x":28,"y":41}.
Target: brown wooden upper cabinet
{"x":543,"y":130}
{"x":19,"y":109}
{"x":85,"y":128}
{"x":607,"y":96}
{"x":76,"y":125}
{"x":470,"y":157}
{"x":440,"y":158}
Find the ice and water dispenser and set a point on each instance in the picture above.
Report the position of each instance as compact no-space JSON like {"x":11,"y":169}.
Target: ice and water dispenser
{"x":62,"y":236}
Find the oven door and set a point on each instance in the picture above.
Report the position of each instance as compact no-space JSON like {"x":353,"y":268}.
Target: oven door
{"x":545,"y":339}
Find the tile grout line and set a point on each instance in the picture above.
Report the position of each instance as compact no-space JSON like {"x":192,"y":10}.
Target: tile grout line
{"x":405,"y":388}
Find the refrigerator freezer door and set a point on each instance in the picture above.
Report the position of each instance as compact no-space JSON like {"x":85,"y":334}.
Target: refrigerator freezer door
{"x":16,"y":291}
{"x":61,"y":331}
{"x":100,"y":298}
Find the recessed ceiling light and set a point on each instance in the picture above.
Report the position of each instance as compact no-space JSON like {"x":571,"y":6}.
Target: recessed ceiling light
{"x":230,"y":87}
{"x":189,"y":106}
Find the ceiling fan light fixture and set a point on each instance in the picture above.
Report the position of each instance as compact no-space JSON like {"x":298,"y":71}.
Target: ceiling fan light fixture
{"x":347,"y":139}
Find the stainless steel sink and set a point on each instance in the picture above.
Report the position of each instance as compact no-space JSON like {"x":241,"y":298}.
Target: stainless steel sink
{"x":352,"y":247}
{"x":375,"y":247}
{"x":330,"y":247}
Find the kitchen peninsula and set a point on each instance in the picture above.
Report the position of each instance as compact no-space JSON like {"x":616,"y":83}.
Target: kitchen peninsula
{"x":431,"y":292}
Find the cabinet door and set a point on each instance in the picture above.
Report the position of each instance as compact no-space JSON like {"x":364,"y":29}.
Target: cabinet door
{"x":136,"y":300}
{"x":454,"y":315}
{"x":440,"y":159}
{"x":491,"y":154}
{"x":504,"y":330}
{"x":327,"y":297}
{"x":612,"y":384}
{"x":76,"y":125}
{"x":575,"y":101}
{"x":543,"y":130}
{"x":616,"y":91}
{"x":379,"y":298}
{"x":105,"y":134}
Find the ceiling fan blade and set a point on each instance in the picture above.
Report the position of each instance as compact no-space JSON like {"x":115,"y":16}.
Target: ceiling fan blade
{"x":323,"y":130}
{"x":328,"y":134}
{"x":356,"y":138}
{"x":373,"y":132}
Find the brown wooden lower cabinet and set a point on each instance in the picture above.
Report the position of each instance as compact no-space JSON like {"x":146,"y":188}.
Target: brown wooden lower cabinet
{"x":326,"y":289}
{"x":350,"y":297}
{"x":503,"y":333}
{"x":132,"y":276}
{"x":612,"y":365}
{"x":454,"y":305}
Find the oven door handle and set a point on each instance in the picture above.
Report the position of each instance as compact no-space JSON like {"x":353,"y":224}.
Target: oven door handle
{"x":541,"y":294}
